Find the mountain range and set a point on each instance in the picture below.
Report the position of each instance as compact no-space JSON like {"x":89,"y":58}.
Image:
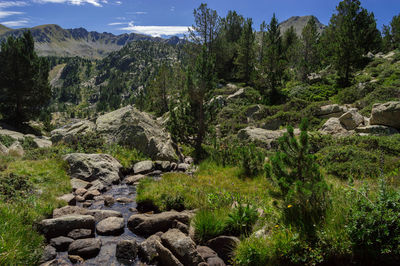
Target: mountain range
{"x":298,"y":23}
{"x":52,"y":40}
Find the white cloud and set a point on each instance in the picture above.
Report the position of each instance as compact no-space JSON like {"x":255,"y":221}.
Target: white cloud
{"x":116,"y":23}
{"x":5,"y":13}
{"x":157,"y":31}
{"x":118,"y":2}
{"x":6,"y":4}
{"x":15,"y":23}
{"x":137,"y":13}
{"x":172,"y":9}
{"x":97,"y":3}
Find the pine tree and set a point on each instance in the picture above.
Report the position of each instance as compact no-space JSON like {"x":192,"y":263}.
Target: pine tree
{"x":391,"y":34}
{"x":245,"y":59}
{"x":24,"y":86}
{"x":309,"y":54}
{"x":159,"y":90}
{"x":296,"y":173}
{"x":290,"y":44}
{"x":352,"y":33}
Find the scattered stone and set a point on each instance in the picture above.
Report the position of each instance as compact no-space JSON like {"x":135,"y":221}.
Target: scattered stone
{"x":109,"y":200}
{"x":75,"y":259}
{"x":68,"y":198}
{"x":130,"y":180}
{"x":133,"y":209}
{"x":224,"y":246}
{"x":377,"y":130}
{"x":111,"y":226}
{"x":79,"y":198}
{"x":87,"y":204}
{"x":90,"y":167}
{"x":148,"y":224}
{"x":164,"y":166}
{"x":143,"y":167}
{"x":85,"y":248}
{"x":80,"y":234}
{"x":61,"y":243}
{"x":16,"y":150}
{"x":69,"y":210}
{"x":127,"y":250}
{"x":128,"y":126}
{"x":386,"y":114}
{"x":183,"y":167}
{"x":100,"y":215}
{"x":91,"y":194}
{"x":49,"y":253}
{"x":78,"y":183}
{"x":182,"y":246}
{"x":124,"y":200}
{"x":351,"y":119}
{"x":61,"y":226}
{"x":189,"y":160}
{"x":80,"y":191}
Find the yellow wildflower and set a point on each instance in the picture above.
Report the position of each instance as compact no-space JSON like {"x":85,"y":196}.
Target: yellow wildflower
{"x":276,"y":226}
{"x":290,"y":206}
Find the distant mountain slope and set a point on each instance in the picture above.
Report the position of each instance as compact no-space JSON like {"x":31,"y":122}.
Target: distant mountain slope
{"x":52,"y":40}
{"x":299,"y":23}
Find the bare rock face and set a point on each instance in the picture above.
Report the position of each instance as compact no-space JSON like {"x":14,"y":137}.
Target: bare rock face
{"x":85,"y":248}
{"x":68,"y":132}
{"x":149,"y":224}
{"x":182,"y":246}
{"x":63,"y":225}
{"x":90,"y":167}
{"x":130,"y":127}
{"x":386,"y":114}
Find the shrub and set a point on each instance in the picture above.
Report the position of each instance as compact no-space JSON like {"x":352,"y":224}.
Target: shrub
{"x":14,"y":186}
{"x":251,"y":160}
{"x":300,"y":181}
{"x":173,"y":202}
{"x":6,"y":140}
{"x":374,"y":227}
{"x":252,"y":251}
{"x":28,"y":143}
{"x":241,"y":219}
{"x":208,"y":224}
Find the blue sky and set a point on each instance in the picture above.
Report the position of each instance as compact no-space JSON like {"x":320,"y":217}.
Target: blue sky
{"x":166,"y":17}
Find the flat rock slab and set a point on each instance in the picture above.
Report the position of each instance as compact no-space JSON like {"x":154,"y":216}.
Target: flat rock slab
{"x":85,"y":248}
{"x":61,"y":226}
{"x":100,"y":215}
{"x":111,"y":226}
{"x":69,"y":210}
{"x":149,"y":224}
{"x":80,"y":234}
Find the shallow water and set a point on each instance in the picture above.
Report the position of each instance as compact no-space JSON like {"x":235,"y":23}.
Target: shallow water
{"x":109,"y":243}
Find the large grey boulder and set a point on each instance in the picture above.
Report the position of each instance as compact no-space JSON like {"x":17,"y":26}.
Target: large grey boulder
{"x":143,"y":167}
{"x":85,"y":248}
{"x":78,"y":183}
{"x":386,"y":114}
{"x":149,"y":224}
{"x":182,"y":247}
{"x":111,"y":226}
{"x":377,"y":130}
{"x":331,"y":110}
{"x":49,"y":253}
{"x":61,"y":226}
{"x":90,"y":167}
{"x":152,"y":251}
{"x":262,"y":137}
{"x":351,"y":119}
{"x":333,"y":127}
{"x":128,"y":126}
{"x":69,"y":132}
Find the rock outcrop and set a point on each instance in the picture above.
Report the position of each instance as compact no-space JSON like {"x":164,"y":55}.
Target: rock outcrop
{"x":351,"y":119}
{"x":68,"y":132}
{"x":386,"y":114}
{"x":262,"y":137}
{"x":128,"y":126}
{"x":332,"y":110}
{"x":334,"y":127}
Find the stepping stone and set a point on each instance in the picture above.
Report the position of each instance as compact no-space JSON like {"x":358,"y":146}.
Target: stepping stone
{"x":85,"y":248}
{"x":61,"y":243}
{"x":80,"y":234}
{"x":111,"y":226}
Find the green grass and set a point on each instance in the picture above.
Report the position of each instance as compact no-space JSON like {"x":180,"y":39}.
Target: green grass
{"x":20,"y":243}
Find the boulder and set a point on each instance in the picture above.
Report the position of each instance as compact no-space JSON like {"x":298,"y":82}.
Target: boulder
{"x":109,"y":200}
{"x":68,"y":198}
{"x":89,"y":195}
{"x":334,"y":127}
{"x":69,"y":210}
{"x":16,"y":149}
{"x":386,"y":114}
{"x":13,"y":134}
{"x":80,"y":234}
{"x":224,"y":246}
{"x":164,"y":166}
{"x":41,"y":142}
{"x":148,"y":224}
{"x":100,"y":215}
{"x":56,"y":262}
{"x":85,"y":248}
{"x":152,"y":251}
{"x":206,"y":252}
{"x":182,"y":246}
{"x":98,"y":185}
{"x":124,"y":200}
{"x":68,"y":132}
{"x":78,"y":183}
{"x":90,"y":167}
{"x":183,"y":167}
{"x":351,"y":119}
{"x":215,"y":261}
{"x":184,"y":228}
{"x":61,"y":226}
{"x":130,"y":180}
{"x":262,"y":137}
{"x":127,"y":250}
{"x":128,"y":126}
{"x":331,"y":110}
{"x":49,"y":253}
{"x":80,"y":191}
{"x":111,"y":226}
{"x":61,"y":243}
{"x":143,"y":167}
{"x":377,"y":130}
{"x":76,"y":259}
